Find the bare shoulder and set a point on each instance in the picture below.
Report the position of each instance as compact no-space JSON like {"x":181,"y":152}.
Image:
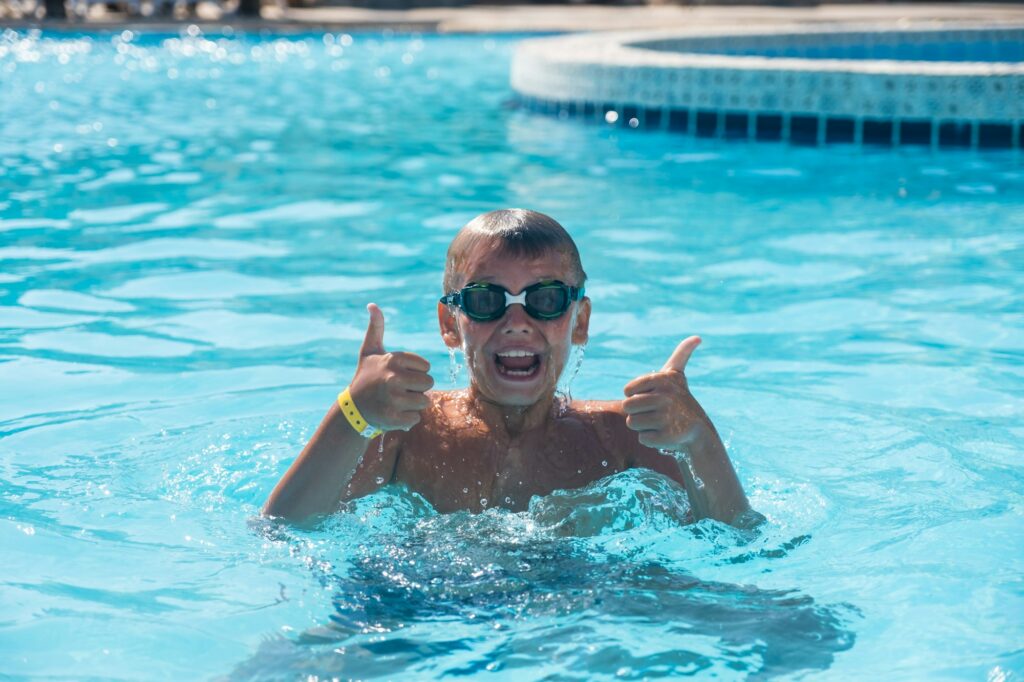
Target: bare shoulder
{"x":609,"y":419}
{"x":443,"y":406}
{"x":444,"y":421}
{"x":604,"y":415}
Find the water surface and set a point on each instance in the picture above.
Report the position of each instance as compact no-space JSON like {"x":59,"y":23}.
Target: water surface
{"x":190,"y":229}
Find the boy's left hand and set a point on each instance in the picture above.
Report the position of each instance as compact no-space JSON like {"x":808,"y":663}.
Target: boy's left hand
{"x":659,"y":405}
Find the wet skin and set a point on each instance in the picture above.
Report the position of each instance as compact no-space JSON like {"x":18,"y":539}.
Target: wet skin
{"x":505,"y":439}
{"x":457,"y":460}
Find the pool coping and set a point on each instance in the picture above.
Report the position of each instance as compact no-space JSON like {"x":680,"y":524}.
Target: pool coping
{"x":612,"y":76}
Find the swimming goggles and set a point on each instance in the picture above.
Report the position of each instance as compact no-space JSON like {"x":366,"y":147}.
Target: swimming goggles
{"x":485,"y":302}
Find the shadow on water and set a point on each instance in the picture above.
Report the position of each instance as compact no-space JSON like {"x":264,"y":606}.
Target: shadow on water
{"x":461,"y":594}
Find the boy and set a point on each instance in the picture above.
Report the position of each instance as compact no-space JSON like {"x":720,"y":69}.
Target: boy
{"x":514,"y":302}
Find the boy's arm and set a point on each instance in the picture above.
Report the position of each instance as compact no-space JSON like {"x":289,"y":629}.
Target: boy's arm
{"x":337,"y":463}
{"x":389,"y":390}
{"x":666,"y":416}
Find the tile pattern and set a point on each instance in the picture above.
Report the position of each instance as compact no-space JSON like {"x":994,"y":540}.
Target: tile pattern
{"x":683,"y":83}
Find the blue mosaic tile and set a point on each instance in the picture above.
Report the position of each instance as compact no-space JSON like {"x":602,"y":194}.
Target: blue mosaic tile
{"x":955,"y":134}
{"x":812,"y":102}
{"x":769,"y":127}
{"x":803,"y":129}
{"x":995,"y":135}
{"x":707,"y":124}
{"x":838,"y":130}
{"x":876,"y":131}
{"x":915,"y":132}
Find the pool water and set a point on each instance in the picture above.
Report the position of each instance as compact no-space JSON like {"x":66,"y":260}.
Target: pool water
{"x":988,"y":45}
{"x":190,"y":229}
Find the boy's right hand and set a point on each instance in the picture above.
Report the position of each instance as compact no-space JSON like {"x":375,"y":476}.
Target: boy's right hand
{"x":389,"y":388}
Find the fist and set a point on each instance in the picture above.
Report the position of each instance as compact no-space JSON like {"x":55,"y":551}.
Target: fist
{"x":389,"y":388}
{"x":659,"y":406}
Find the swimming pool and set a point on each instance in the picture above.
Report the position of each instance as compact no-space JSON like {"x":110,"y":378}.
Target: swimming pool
{"x":190,"y":229}
{"x":943,"y":87}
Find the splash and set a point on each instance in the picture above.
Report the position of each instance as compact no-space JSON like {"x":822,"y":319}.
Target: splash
{"x":684,"y":459}
{"x":563,"y":391}
{"x":454,"y":366}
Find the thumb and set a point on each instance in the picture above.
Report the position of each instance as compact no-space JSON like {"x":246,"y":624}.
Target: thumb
{"x":677,"y":361}
{"x":373,"y":344}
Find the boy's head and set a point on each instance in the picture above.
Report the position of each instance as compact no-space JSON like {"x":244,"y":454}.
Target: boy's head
{"x":513,"y":232}
{"x":515,"y":356}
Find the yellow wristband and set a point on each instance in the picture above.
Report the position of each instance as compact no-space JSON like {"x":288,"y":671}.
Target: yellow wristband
{"x":351,"y":412}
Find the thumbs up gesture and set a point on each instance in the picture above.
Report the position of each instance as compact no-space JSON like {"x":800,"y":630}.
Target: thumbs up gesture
{"x":659,"y":406}
{"x":389,"y":388}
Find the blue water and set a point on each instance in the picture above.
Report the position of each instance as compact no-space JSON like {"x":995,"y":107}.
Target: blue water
{"x":190,"y":229}
{"x":991,"y":45}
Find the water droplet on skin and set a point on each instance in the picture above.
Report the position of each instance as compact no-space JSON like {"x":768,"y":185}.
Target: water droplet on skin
{"x":579,"y":471}
{"x":380,"y":445}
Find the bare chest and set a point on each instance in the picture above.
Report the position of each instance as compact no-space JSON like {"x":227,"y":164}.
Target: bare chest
{"x":474,"y":470}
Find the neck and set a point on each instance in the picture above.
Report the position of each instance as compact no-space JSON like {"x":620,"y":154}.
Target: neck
{"x":515,"y":419}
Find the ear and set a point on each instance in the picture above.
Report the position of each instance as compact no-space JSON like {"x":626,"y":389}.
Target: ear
{"x":449,"y":326}
{"x":581,"y":332}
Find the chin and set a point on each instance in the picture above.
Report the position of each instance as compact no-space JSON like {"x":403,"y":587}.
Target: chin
{"x":514,"y":394}
{"x":522,"y":400}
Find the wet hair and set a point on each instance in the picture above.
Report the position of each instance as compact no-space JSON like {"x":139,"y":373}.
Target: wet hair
{"x":517,"y":232}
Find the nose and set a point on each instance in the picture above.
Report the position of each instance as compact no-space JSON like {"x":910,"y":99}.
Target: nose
{"x":516,"y":321}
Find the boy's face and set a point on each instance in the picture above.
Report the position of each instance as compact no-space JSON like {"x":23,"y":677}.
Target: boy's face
{"x":494,"y":350}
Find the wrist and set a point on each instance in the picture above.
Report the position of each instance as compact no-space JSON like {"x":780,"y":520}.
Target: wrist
{"x":355,"y":418}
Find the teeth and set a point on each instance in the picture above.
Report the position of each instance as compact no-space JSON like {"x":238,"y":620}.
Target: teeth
{"x":515,"y":354}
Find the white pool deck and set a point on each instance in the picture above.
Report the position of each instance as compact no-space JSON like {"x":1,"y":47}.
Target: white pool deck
{"x":605,"y":18}
{"x":571,"y":18}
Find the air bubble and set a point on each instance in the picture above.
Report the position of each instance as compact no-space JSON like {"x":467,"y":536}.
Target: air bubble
{"x":465,"y":490}
{"x":483,"y":501}
{"x":508,"y":500}
{"x":380,"y":480}
{"x":604,"y":462}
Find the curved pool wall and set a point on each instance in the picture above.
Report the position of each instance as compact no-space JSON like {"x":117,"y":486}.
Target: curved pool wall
{"x":948,"y":87}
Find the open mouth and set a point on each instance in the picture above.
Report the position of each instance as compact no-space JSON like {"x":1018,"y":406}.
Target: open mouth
{"x":517,"y":364}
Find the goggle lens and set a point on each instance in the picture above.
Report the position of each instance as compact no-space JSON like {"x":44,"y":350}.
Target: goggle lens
{"x":548,"y":301}
{"x":483,"y":304}
{"x":487,"y":302}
